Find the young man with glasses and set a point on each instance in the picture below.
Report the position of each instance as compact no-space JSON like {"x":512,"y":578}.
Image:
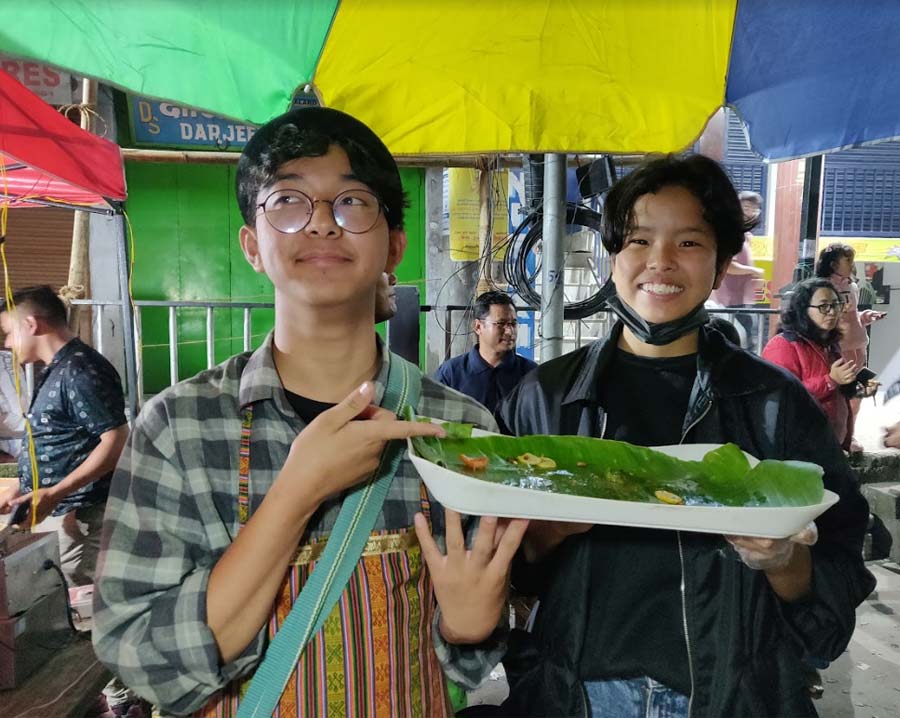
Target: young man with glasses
{"x":492,"y":368}
{"x":235,"y":482}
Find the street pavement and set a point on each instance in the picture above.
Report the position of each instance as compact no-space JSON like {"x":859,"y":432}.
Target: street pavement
{"x":865,"y":681}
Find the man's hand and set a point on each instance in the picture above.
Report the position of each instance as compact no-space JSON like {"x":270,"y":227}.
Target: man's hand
{"x":335,"y":452}
{"x":763,"y":554}
{"x":471,"y":585}
{"x":6,"y":497}
{"x":47,"y":500}
{"x":843,"y":371}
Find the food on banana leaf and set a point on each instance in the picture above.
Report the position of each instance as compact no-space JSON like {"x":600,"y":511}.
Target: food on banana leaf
{"x":606,"y":469}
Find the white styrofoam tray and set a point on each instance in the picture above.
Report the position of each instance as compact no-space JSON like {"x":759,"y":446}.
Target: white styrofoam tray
{"x":483,"y":498}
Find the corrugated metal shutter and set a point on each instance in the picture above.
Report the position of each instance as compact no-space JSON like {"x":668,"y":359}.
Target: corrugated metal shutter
{"x":746,"y":170}
{"x":38,"y":246}
{"x":861,"y":192}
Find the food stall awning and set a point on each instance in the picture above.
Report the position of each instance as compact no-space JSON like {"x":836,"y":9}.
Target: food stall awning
{"x":46,"y":160}
{"x":447,"y":78}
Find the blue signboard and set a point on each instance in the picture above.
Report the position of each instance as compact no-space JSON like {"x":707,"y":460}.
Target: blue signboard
{"x":156,"y":123}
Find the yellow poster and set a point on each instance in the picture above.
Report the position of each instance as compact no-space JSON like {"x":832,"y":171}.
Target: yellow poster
{"x":465,"y":211}
{"x":868,"y":249}
{"x":762,"y":247}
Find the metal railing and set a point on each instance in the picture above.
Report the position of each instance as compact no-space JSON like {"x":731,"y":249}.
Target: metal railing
{"x":135,"y":383}
{"x":577,"y":331}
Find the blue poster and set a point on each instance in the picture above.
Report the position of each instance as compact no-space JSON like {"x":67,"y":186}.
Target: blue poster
{"x":156,"y":123}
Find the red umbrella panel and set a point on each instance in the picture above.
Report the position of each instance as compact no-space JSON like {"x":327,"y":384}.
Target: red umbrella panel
{"x":47,"y":160}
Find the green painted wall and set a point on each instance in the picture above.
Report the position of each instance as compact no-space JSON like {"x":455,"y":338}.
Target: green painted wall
{"x":185,"y":222}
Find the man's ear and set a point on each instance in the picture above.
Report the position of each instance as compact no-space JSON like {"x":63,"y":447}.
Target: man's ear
{"x":250,"y":248}
{"x":396,"y":249}
{"x":31,"y":325}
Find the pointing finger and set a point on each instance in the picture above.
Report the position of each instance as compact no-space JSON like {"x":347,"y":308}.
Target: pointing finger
{"x":351,"y":407}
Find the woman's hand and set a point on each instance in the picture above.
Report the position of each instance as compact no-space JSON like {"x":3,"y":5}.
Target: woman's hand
{"x":868,"y":316}
{"x":843,"y":371}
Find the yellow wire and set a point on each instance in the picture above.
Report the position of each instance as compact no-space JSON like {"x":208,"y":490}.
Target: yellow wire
{"x":11,"y":307}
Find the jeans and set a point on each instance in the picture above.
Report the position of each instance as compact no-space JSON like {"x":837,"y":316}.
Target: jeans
{"x":634,"y":698}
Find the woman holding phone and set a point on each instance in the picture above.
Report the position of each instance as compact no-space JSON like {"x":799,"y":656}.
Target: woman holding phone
{"x":807,"y":345}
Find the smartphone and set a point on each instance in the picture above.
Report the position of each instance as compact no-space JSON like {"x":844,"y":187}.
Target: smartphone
{"x":865,"y":375}
{"x":21,"y":513}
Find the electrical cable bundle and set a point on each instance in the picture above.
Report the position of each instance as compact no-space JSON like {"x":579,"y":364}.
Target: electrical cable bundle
{"x":524,"y":241}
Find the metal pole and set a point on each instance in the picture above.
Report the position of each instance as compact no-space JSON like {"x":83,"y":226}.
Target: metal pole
{"x":553,"y":256}
{"x":173,"y":346}
{"x":98,"y":328}
{"x":448,"y":332}
{"x":809,"y":217}
{"x":138,"y":358}
{"x":134,"y":396}
{"x":210,"y":339}
{"x":247,"y":328}
{"x":29,"y":385}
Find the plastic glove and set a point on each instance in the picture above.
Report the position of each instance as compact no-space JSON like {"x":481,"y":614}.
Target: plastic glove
{"x":762,"y":554}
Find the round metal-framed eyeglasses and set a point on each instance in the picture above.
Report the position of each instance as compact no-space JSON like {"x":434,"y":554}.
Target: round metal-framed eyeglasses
{"x":290,"y":210}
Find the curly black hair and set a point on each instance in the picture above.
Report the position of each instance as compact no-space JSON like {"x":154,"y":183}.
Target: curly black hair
{"x":702,"y":177}
{"x":795,"y":316}
{"x":831,"y":254}
{"x":310,"y":132}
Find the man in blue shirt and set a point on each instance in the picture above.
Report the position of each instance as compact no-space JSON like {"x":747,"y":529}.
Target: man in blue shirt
{"x":77,"y":418}
{"x":491,"y":369}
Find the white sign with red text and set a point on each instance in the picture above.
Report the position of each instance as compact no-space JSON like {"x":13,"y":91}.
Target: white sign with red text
{"x":53,"y":86}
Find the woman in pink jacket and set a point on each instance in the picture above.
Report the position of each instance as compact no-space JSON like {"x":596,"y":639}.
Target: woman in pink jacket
{"x":836,"y":264}
{"x":807,"y":346}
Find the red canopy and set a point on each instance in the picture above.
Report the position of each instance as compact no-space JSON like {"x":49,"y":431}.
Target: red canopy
{"x":47,"y":160}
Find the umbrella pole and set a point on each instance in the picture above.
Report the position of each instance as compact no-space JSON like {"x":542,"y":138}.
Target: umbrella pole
{"x":78,"y":285}
{"x":553,"y":256}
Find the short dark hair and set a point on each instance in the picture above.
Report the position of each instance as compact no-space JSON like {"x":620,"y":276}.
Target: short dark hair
{"x":39,"y":301}
{"x":702,"y":177}
{"x":310,"y":132}
{"x":486,"y":300}
{"x":795,"y":317}
{"x":831,"y":254}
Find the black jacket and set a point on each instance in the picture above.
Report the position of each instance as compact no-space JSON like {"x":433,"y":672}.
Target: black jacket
{"x":744,"y":643}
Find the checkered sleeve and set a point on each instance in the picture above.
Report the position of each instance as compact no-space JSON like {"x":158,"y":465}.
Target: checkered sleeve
{"x":467,"y":665}
{"x":150,"y":589}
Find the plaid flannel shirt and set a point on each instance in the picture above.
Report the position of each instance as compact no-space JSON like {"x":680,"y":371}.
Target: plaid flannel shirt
{"x":172,"y":513}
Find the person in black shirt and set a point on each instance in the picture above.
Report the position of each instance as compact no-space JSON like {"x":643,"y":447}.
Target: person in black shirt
{"x":490,"y":369}
{"x":77,"y":418}
{"x":636,"y":622}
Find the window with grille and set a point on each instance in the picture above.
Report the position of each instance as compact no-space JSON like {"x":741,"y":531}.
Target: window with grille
{"x":861,"y":192}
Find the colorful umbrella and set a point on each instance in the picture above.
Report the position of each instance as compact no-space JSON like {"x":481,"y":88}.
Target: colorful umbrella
{"x":500,"y":76}
{"x":47,"y":160}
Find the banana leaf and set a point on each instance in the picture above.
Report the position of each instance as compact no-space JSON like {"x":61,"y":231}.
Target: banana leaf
{"x":601,"y":468}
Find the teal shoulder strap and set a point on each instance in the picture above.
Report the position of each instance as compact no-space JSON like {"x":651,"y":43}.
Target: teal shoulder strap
{"x":325,"y":585}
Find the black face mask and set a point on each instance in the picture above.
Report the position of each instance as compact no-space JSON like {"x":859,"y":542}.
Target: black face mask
{"x":655,"y":334}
